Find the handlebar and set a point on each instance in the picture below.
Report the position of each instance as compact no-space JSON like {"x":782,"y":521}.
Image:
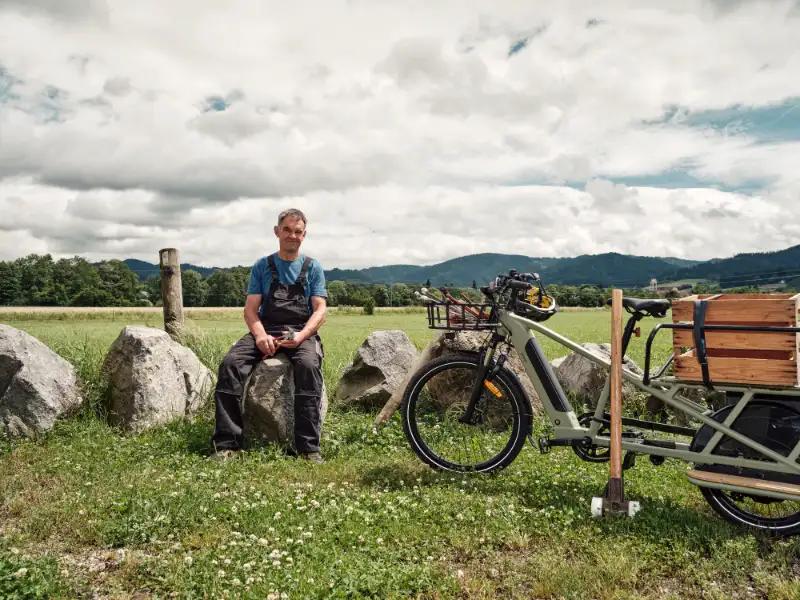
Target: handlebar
{"x":516,"y":284}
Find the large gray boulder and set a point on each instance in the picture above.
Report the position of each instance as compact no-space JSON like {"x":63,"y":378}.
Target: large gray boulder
{"x":152,"y":379}
{"x":584,"y":380}
{"x":268,"y":402}
{"x":37,"y":386}
{"x":379,"y":366}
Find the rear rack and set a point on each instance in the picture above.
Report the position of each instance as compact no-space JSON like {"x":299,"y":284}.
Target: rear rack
{"x":690,"y":326}
{"x":460,"y":316}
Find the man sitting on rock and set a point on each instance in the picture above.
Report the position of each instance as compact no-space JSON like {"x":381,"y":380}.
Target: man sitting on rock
{"x":285,"y":306}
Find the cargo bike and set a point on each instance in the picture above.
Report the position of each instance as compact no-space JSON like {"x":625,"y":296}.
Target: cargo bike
{"x":467,"y":411}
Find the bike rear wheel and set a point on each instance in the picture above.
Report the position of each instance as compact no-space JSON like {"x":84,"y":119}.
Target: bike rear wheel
{"x":775,"y":423}
{"x":436,"y":398}
{"x":775,"y":517}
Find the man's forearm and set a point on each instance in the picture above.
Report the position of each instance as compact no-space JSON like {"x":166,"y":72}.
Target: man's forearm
{"x":315,"y":322}
{"x":254,"y":324}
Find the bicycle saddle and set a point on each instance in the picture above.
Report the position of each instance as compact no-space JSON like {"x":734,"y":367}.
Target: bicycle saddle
{"x":650,"y":306}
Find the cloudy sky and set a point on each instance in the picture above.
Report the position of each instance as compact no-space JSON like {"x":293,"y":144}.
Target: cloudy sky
{"x":409,"y":132}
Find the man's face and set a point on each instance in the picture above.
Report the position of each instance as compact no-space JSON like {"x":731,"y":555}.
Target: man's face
{"x":290,"y":233}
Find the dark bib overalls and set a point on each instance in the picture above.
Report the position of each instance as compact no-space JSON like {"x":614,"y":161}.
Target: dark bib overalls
{"x":284,"y":307}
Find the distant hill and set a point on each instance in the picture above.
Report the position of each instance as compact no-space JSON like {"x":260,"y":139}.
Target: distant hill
{"x":596,"y":269}
{"x":144,"y":269}
{"x":757,"y":268}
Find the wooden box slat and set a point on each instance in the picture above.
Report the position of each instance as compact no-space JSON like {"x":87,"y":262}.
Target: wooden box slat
{"x":758,"y":358}
{"x":748,"y":340}
{"x":762,"y":371}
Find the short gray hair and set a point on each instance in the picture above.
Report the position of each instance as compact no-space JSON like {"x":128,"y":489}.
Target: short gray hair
{"x":292,"y":212}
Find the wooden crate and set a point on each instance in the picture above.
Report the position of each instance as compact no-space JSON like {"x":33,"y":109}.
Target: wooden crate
{"x":744,"y":357}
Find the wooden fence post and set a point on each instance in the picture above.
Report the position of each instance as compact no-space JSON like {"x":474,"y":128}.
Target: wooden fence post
{"x":171,"y":290}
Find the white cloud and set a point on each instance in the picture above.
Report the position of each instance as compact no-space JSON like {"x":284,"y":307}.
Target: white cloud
{"x":405,"y":130}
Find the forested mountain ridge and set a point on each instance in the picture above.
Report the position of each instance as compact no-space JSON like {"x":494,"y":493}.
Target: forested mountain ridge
{"x":600,"y":269}
{"x":753,"y":268}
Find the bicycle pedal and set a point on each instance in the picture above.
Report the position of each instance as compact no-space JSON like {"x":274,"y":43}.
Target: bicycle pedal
{"x":544,"y":445}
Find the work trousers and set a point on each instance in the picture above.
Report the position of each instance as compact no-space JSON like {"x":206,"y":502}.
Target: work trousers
{"x":237,"y":365}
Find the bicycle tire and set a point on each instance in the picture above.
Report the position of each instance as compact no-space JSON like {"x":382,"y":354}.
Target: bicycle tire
{"x":522,"y":420}
{"x":719,"y":501}
{"x":724,"y":502}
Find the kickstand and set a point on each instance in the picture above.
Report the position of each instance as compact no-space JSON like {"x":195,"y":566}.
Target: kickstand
{"x":629,"y":460}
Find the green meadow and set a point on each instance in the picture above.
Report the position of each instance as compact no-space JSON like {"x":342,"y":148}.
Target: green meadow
{"x":88,"y":512}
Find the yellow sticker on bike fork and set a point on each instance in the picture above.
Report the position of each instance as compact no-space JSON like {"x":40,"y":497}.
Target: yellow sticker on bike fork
{"x":492,"y":388}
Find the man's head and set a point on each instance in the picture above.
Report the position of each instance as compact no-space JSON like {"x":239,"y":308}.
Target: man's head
{"x":291,"y":230}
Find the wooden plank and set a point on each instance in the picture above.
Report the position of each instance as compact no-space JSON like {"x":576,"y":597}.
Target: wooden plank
{"x":740,"y":310}
{"x":746,"y":482}
{"x":765,"y":371}
{"x":738,"y":339}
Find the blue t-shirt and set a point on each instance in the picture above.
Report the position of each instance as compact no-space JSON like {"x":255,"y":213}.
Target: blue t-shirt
{"x":261,"y":277}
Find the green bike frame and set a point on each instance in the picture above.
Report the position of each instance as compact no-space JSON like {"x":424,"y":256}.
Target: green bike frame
{"x":520,"y":332}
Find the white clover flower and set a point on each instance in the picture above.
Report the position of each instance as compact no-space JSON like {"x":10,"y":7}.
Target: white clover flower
{"x":188,"y":561}
{"x":236,"y":581}
{"x":276,"y":563}
{"x":21,"y":573}
{"x":379,"y":540}
{"x":277,"y":515}
{"x":220,"y":573}
{"x":263,"y":542}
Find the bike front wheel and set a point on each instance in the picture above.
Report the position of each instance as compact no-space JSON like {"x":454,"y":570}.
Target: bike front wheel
{"x":435,"y":401}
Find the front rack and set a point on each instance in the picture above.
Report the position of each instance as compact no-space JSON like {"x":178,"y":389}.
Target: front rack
{"x":461,"y":316}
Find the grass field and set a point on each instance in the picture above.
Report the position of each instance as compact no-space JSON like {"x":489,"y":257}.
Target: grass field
{"x":88,"y":512}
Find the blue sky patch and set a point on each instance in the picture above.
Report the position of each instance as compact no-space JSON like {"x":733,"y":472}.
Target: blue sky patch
{"x":765,"y":124}
{"x":215,"y":104}
{"x":676,"y":179}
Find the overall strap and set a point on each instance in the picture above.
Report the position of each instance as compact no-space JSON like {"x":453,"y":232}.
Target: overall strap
{"x":301,"y":278}
{"x":273,"y":268}
{"x":700,"y":307}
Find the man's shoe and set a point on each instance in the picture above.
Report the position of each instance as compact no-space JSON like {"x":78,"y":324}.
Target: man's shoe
{"x":313,"y":457}
{"x":223,"y":454}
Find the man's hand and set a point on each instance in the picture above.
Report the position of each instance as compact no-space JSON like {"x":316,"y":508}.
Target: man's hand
{"x":293,"y":342}
{"x":267,"y":344}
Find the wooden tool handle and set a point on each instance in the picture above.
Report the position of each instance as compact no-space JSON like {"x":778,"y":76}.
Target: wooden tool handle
{"x":616,"y":384}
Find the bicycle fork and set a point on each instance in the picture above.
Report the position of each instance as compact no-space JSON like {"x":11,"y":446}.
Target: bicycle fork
{"x":487,"y":369}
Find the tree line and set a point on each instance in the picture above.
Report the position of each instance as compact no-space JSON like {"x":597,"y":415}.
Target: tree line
{"x":39,"y":280}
